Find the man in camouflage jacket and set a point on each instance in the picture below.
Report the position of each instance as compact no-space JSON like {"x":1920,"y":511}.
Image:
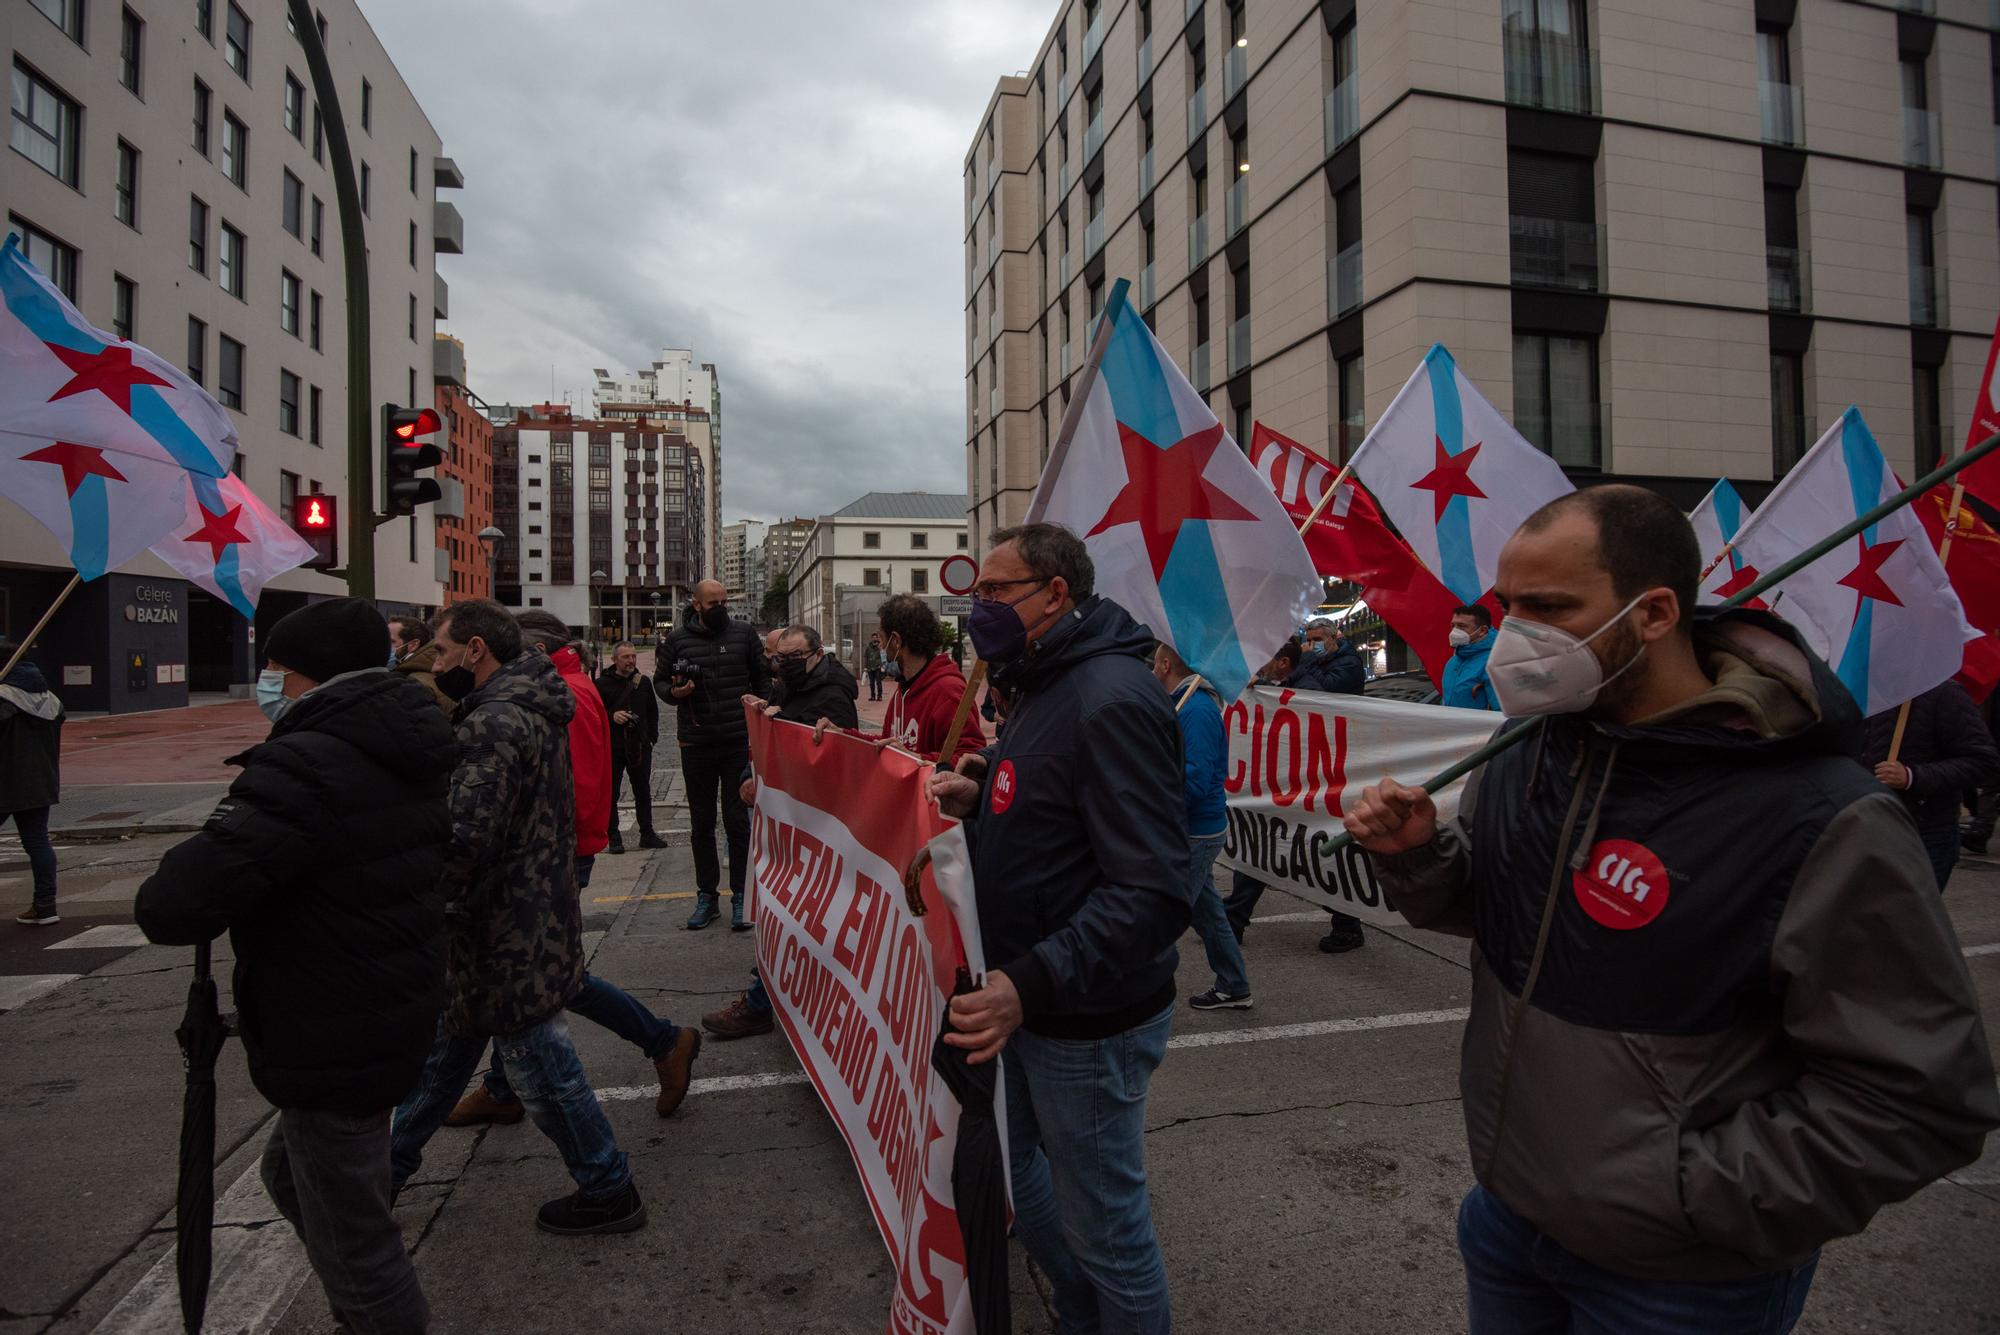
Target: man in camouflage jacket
{"x":513,"y":923}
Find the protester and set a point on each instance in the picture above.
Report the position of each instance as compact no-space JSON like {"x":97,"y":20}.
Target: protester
{"x":1328,"y":662}
{"x":31,"y":720}
{"x":1204,"y":757}
{"x":1079,"y":836}
{"x":1471,"y":637}
{"x":1718,"y":1016}
{"x":322,"y":864}
{"x":872,"y":661}
{"x":1244,"y":889}
{"x":514,"y":925}
{"x":816,"y":688}
{"x":929,"y":685}
{"x":628,"y":698}
{"x":1945,"y":750}
{"x":710,"y":663}
{"x":415,"y":656}
{"x":1985,"y":803}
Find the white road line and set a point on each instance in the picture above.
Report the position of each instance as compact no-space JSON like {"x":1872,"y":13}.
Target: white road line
{"x":1992,"y":949}
{"x":101,"y":938}
{"x":19,"y":990}
{"x":717,"y":1084}
{"x":1292,"y":917}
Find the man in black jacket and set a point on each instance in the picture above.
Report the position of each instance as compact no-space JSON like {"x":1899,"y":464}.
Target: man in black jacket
{"x":31,"y":720}
{"x":1080,"y":851}
{"x":634,"y":711}
{"x":728,"y":663}
{"x":322,"y":864}
{"x":1946,"y":749}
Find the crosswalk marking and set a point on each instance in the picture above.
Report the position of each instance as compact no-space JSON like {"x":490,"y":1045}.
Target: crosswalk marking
{"x":21,"y":989}
{"x":104,"y":938}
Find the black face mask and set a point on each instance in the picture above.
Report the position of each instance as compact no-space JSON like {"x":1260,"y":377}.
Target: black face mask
{"x":457,"y":682}
{"x":793,"y":672}
{"x":716,"y":617}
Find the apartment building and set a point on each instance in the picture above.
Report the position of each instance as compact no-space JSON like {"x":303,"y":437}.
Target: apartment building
{"x":168,"y":170}
{"x":783,"y":541}
{"x":734,"y":562}
{"x":676,"y":381}
{"x":464,"y":564}
{"x":1671,"y":242}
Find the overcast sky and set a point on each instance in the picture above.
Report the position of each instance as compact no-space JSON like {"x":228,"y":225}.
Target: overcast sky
{"x":776,"y":185}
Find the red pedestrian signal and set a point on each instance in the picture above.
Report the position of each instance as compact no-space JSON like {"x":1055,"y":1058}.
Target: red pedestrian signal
{"x":316,"y":518}
{"x":405,"y":454}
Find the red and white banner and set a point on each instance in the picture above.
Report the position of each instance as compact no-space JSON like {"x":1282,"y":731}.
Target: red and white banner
{"x":860,"y":983}
{"x":1297,"y":758}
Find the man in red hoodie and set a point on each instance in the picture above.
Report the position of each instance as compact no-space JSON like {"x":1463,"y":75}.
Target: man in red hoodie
{"x":928,"y":684}
{"x":670,"y":1047}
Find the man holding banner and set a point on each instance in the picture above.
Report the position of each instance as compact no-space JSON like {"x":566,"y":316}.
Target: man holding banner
{"x":1719,"y":1017}
{"x":1080,"y":852}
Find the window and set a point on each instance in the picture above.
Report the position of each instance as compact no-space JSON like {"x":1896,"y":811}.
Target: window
{"x":1789,"y":429}
{"x":197,"y":358}
{"x":124,"y":300}
{"x":318,"y":224}
{"x":365,"y":186}
{"x":413,"y":317}
{"x":295,"y":107}
{"x":125,"y":195}
{"x":229,"y":266}
{"x":197,"y":235}
{"x":920,"y":580}
{"x":1351,"y":427}
{"x":312,"y":417}
{"x":871,"y":541}
{"x":1926,"y":290}
{"x":1920,"y":122}
{"x":288,"y":403}
{"x":45,"y":126}
{"x":319,"y":137}
{"x":288,"y":491}
{"x":413,"y":245}
{"x":131,"y":47}
{"x":312,"y":322}
{"x":229,"y":376}
{"x":292,"y":210}
{"x":413,"y":171}
{"x":1546,"y":50}
{"x":236,"y":42}
{"x":1555,"y":397}
{"x":288,"y":302}
{"x":204,"y":19}
{"x":413,"y":384}
{"x":872,"y":576}
{"x":1929,"y":426}
{"x":235,"y":150}
{"x":65,"y":14}
{"x":920,"y":542}
{"x":201,"y":122}
{"x":964,"y":540}
{"x":1552,"y":203}
{"x":367,"y":106}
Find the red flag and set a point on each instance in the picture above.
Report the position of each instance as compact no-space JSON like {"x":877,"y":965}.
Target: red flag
{"x":1983,"y":478}
{"x":1980,"y":672}
{"x":1351,"y":541}
{"x":1973,"y":563}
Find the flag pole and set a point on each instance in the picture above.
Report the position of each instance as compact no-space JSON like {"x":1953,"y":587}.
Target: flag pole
{"x":1785,"y":570}
{"x":1326,"y":498}
{"x":1719,"y":558}
{"x":1194,"y":683}
{"x":21,"y":649}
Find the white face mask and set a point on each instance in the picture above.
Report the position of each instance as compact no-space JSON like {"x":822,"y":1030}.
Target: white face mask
{"x":1459,"y":637}
{"x":1541,"y":669}
{"x":271,"y":693}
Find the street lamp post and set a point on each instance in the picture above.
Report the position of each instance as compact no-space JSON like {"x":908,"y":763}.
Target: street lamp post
{"x":597,"y":578}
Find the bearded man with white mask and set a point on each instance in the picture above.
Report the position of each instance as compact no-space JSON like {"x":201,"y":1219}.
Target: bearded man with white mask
{"x":1719,"y":1017}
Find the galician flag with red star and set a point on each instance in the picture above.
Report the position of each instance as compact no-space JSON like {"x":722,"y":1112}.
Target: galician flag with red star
{"x":97,"y":435}
{"x":1183,"y":533}
{"x":1878,"y":607}
{"x":1454,"y":475}
{"x":1717,"y":520}
{"x":229,"y":542}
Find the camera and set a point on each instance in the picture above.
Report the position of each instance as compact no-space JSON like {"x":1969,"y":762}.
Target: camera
{"x":684,"y":672}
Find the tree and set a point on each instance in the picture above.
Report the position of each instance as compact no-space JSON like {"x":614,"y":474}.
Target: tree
{"x":777,"y":601}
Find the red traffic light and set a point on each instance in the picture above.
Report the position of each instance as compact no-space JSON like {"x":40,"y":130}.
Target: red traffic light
{"x":408,"y":425}
{"x":314,"y":512}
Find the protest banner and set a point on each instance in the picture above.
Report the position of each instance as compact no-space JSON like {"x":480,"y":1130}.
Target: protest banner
{"x":1292,"y":758}
{"x":859,"y":982}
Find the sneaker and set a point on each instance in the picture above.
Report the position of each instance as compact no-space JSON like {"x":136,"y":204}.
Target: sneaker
{"x":614,"y":848}
{"x":737,"y":1020}
{"x":704,"y":912}
{"x":480,"y":1108}
{"x":1215,"y":999}
{"x":737,"y":922}
{"x":676,"y":1069}
{"x":651,"y":840}
{"x":576,"y":1215}
{"x":35,"y":917}
{"x":1341,"y":940}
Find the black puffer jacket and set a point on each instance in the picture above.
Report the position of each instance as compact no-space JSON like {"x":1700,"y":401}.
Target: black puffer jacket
{"x":828,"y":692}
{"x":322,"y":864}
{"x":732,"y":664}
{"x":1947,"y":748}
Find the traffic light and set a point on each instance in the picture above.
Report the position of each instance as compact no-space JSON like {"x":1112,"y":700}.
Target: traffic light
{"x":405,"y":453}
{"x":317,"y":519}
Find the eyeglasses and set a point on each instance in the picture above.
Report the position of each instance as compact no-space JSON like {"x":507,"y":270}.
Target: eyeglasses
{"x":784,"y":657}
{"x":987,"y":590}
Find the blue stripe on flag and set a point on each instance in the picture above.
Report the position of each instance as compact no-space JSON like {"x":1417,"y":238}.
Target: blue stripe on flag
{"x":1729,"y":517}
{"x":163,"y":424}
{"x":229,"y":579}
{"x":1199,"y":616}
{"x":1141,"y":395}
{"x":89,"y":527}
{"x":30,"y":303}
{"x":1454,"y":529}
{"x":1863,"y":458}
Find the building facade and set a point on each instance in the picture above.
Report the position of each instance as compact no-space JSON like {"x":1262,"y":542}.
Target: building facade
{"x":604,"y":520}
{"x":167,"y":169}
{"x":733,"y":561}
{"x":884,"y":543}
{"x":465,"y":566}
{"x":783,"y":541}
{"x":677,"y":381}
{"x":1671,"y":243}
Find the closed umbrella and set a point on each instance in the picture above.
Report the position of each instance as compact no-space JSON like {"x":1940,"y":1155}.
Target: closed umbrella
{"x":978,"y":1177}
{"x":201,"y":1034}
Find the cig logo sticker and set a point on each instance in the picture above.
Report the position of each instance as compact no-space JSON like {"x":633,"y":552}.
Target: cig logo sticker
{"x":1623,"y":886}
{"x":1003,"y":787}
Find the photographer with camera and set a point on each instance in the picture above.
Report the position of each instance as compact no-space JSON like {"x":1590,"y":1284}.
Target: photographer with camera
{"x":715,"y":662}
{"x":635,"y":728}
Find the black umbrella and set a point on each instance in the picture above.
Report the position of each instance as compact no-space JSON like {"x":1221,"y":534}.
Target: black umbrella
{"x":201,"y":1034}
{"x":978,"y":1177}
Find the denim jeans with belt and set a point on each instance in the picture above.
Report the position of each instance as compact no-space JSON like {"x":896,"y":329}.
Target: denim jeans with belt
{"x":1211,"y":920}
{"x":1076,"y":1137}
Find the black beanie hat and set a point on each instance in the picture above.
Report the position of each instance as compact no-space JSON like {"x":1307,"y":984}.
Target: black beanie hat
{"x":322,"y":640}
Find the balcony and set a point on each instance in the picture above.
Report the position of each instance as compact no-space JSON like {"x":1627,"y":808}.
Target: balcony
{"x":1343,"y":113}
{"x":993,"y":402}
{"x":1235,"y":71}
{"x":1062,"y":180}
{"x":1146,"y":297}
{"x":447,"y":229}
{"x":1198,"y":370}
{"x":1146,"y":170}
{"x":1927,"y":299}
{"x":1236,"y":207}
{"x":1093,"y":137}
{"x":1343,"y":283}
{"x":1922,"y":141}
{"x":1062,"y":363}
{"x":1198,"y":241}
{"x":1145,"y":60}
{"x":1784,"y":109}
{"x":1062,"y":89}
{"x":447,"y":360}
{"x":1093,"y":237}
{"x":1239,"y":346}
{"x":1546,"y":70}
{"x":1062,"y":269}
{"x":1093,"y":37}
{"x":1549,"y":252}
{"x":1789,"y":277}
{"x":1197,"y":109}
{"x":440,"y":297}
{"x":993,"y":324}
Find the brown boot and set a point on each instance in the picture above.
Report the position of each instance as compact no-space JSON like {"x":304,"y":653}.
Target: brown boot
{"x":676,"y":1068}
{"x":478,"y":1108}
{"x":737,"y":1020}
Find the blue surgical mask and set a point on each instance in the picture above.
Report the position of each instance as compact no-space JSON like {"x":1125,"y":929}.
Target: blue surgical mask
{"x":271,"y":693}
{"x":1314,"y":648}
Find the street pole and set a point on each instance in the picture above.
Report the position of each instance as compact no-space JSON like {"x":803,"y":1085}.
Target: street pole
{"x":361,"y":517}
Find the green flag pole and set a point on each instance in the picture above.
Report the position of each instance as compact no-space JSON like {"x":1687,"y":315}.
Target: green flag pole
{"x":1520,"y":731}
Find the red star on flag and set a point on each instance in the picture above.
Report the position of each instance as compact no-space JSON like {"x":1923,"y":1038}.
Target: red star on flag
{"x":77,"y":463}
{"x":1164,"y":488}
{"x":1739,"y":581}
{"x":1866,"y":578}
{"x":110,"y":372}
{"x":1452,"y":476}
{"x":218,"y":531}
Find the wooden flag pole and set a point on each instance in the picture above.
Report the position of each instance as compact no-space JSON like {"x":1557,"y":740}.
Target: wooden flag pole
{"x":21,"y":649}
{"x":1193,"y":685}
{"x":958,"y":719}
{"x":1720,"y":557}
{"x":1944,"y":555}
{"x":1326,"y":498}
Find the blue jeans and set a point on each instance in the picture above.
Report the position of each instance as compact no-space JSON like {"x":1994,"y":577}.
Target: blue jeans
{"x":1941,"y":844}
{"x":1211,"y":921}
{"x":1076,"y":1138}
{"x":33,"y":827}
{"x":759,"y":999}
{"x":612,"y":1007}
{"x":543,"y":1071}
{"x":1522,"y":1282}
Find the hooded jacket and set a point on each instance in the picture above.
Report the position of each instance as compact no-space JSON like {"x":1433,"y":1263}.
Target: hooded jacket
{"x":1079,"y":841}
{"x":1338,"y":671}
{"x":322,"y":864}
{"x":1719,"y":1017}
{"x":513,"y":924}
{"x":1946,"y":746}
{"x":921,"y":711}
{"x":589,"y":755}
{"x":828,"y":691}
{"x":31,"y":720}
{"x":421,"y":667}
{"x":1465,"y":683}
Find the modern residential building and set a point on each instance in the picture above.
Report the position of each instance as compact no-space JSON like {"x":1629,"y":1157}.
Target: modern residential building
{"x":167,"y":168}
{"x":1671,"y":242}
{"x":676,"y":380}
{"x":886,"y":542}
{"x":604,"y":520}
{"x":465,"y":566}
{"x":783,"y":541}
{"x":739,"y":540}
